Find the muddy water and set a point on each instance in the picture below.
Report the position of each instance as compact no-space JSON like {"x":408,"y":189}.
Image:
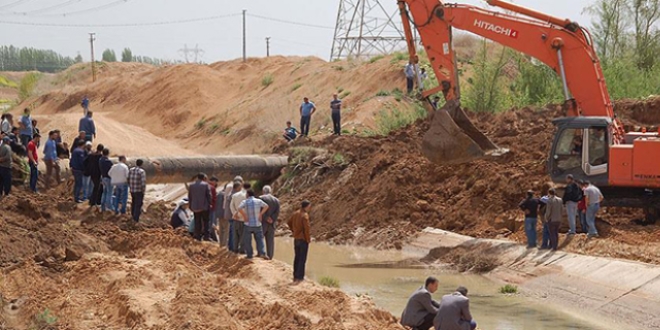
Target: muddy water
{"x":390,"y":288}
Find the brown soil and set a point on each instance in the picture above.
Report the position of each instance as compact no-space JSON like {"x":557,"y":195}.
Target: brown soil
{"x":64,"y":267}
{"x":385,"y":191}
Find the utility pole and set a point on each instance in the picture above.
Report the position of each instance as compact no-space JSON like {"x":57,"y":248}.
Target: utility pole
{"x":92,"y":37}
{"x":244,"y":37}
{"x":267,"y":46}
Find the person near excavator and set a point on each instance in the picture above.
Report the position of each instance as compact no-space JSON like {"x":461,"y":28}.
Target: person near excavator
{"x":335,"y":108}
{"x":421,"y":309}
{"x":582,"y":210}
{"x":409,"y":71}
{"x":572,"y":195}
{"x":593,"y":198}
{"x":454,"y":312}
{"x":290,"y":132}
{"x":545,"y":233}
{"x":553,"y":217}
{"x":307,"y":109}
{"x":436,"y":102}
{"x":530,"y":206}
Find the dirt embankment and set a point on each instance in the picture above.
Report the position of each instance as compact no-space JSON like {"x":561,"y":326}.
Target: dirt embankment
{"x":64,"y":268}
{"x":381,"y":191}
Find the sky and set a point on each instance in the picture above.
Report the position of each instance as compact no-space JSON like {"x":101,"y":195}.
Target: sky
{"x":220,"y":39}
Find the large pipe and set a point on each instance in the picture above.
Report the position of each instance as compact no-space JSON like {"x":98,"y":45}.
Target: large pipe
{"x":184,"y":169}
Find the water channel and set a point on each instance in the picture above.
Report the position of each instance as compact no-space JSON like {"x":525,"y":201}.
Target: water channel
{"x":390,"y":288}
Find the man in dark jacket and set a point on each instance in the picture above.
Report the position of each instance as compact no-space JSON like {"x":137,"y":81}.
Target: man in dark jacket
{"x":530,"y":206}
{"x":572,"y":196}
{"x":105,"y":164}
{"x":93,"y":170}
{"x":421,"y":309}
{"x":77,"y":164}
{"x":269,"y":221}
{"x":199,"y":197}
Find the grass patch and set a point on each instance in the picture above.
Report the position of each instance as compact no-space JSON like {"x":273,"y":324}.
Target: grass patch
{"x":213,"y":128}
{"x":340,"y":89}
{"x":344,"y":94}
{"x":398,"y":94}
{"x":27,"y":85}
{"x":398,"y":57}
{"x":302,"y":155}
{"x":267,"y":80}
{"x":338,"y":67}
{"x":201,"y":123}
{"x":5,"y":82}
{"x":338,"y":159}
{"x":383,"y":93}
{"x":330,"y":282}
{"x":376,"y":58}
{"x":391,"y":119}
{"x":45,"y":320}
{"x":509,"y":289}
{"x":295,"y":87}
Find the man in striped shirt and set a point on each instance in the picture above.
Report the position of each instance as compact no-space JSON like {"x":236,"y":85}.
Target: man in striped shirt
{"x":252,"y":209}
{"x":137,"y":181}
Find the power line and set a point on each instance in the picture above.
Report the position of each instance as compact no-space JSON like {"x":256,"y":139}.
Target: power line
{"x":13,"y":4}
{"x":97,"y":8}
{"x":291,"y":22}
{"x":49,"y":8}
{"x":181,"y":21}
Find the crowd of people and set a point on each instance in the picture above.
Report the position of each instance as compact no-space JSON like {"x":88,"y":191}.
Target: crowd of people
{"x":452,"y":312}
{"x":581,"y":200}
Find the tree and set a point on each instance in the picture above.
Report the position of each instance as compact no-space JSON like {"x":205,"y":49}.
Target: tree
{"x":109,"y":56}
{"x":127,"y":55}
{"x":486,"y":92}
{"x":29,"y":59}
{"x":609,"y":27}
{"x":79,"y":58}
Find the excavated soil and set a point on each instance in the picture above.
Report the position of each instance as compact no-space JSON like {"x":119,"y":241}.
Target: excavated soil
{"x":64,"y":267}
{"x":381,"y":191}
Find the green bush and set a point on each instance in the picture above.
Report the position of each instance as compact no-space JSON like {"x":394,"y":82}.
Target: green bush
{"x":27,"y":85}
{"x":389,"y":120}
{"x":267,"y":80}
{"x":5,"y":82}
{"x":201,"y":123}
{"x":295,"y":87}
{"x":509,"y":289}
{"x":45,"y":319}
{"x":376,"y":58}
{"x":330,"y":282}
{"x":383,"y":93}
{"x":344,"y":94}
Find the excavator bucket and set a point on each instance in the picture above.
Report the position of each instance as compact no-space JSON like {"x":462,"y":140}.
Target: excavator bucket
{"x":453,"y":139}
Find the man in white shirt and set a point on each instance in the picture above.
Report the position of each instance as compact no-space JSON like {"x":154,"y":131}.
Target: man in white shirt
{"x":593,"y":197}
{"x":237,"y":218}
{"x":119,"y":180}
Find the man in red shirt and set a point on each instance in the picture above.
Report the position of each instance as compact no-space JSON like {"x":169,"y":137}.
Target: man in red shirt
{"x":34,"y":161}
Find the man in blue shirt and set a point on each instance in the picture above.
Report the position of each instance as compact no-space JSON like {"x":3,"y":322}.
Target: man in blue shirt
{"x":50,"y":159}
{"x":290,"y":132}
{"x":77,"y":164}
{"x":307,"y":109}
{"x":26,"y":127}
{"x":87,"y":125}
{"x":85,"y":105}
{"x":253,"y":209}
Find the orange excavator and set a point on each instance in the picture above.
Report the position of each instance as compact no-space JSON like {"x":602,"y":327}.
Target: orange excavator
{"x":590,"y":142}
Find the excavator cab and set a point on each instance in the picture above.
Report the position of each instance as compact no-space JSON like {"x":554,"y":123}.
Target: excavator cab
{"x":581,"y":148}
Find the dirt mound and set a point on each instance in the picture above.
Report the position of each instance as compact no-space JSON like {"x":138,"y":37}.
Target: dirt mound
{"x":381,"y":191}
{"x":64,"y":267}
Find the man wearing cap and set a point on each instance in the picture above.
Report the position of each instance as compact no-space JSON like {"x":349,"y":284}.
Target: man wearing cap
{"x":199,"y":197}
{"x":530,"y":206}
{"x":307,"y":109}
{"x":87,"y":125}
{"x":33,"y":159}
{"x":5,"y":167}
{"x":572,"y":196}
{"x":553,"y":217}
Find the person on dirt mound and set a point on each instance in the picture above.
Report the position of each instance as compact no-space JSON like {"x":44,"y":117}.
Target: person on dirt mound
{"x":182,"y":216}
{"x":77,"y":165}
{"x":307,"y":109}
{"x":93,"y":170}
{"x":7,"y":123}
{"x":105,"y":164}
{"x":5,"y":167}
{"x":77,"y":139}
{"x":26,"y":127}
{"x":199,"y":197}
{"x":87,"y":125}
{"x":33,"y":160}
{"x":335,"y":108}
{"x":85,"y":105}
{"x":530,"y":206}
{"x":119,"y":180}
{"x":137,"y":182}
{"x":421,"y":309}
{"x":290,"y":132}
{"x":51,"y":160}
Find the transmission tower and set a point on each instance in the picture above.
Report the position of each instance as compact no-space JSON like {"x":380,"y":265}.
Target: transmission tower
{"x":195,"y":52}
{"x":366,"y":28}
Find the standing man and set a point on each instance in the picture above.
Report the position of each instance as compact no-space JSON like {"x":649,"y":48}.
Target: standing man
{"x":572,"y":196}
{"x":77,"y":164}
{"x":93,"y":169}
{"x":269,"y":220}
{"x":307,"y":109}
{"x":299,"y":225}
{"x":421,"y":309}
{"x":87,"y":125}
{"x":199,"y":197}
{"x":51,"y":160}
{"x":593,"y":198}
{"x":35,"y":129}
{"x":409,"y":70}
{"x":137,"y":181}
{"x":105,"y":164}
{"x":239,"y":222}
{"x":5,"y":167}
{"x":33,"y":159}
{"x":454,"y":312}
{"x":7,"y":123}
{"x":85,"y":105}
{"x":229,"y":192}
{"x":87,"y":179}
{"x":335,"y":107}
{"x":119,"y":180}
{"x":252,"y":210}
{"x":553,"y":217}
{"x":80,"y":137}
{"x":26,"y":127}
{"x":530,"y":206}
